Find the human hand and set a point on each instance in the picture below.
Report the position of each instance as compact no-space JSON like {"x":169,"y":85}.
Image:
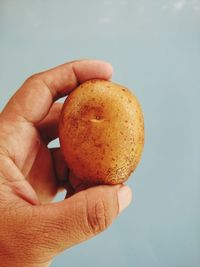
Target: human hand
{"x":32,"y":229}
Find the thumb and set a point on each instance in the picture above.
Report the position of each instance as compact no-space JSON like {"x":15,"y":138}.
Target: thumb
{"x":80,"y":217}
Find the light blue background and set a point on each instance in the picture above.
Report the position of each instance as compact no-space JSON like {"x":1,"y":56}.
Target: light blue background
{"x":154,"y":46}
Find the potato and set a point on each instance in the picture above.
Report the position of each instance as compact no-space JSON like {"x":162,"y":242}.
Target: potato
{"x":101,"y":132}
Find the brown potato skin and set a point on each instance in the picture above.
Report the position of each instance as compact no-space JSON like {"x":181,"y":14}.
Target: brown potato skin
{"x":101,"y":132}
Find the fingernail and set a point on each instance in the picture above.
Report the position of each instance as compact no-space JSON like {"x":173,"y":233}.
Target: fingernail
{"x":124,"y":197}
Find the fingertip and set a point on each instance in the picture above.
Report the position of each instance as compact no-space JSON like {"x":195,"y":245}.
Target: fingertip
{"x":92,"y":69}
{"x":124,"y":197}
{"x":109,"y":69}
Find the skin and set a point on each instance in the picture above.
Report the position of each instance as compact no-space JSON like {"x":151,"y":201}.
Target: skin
{"x":33,"y":230}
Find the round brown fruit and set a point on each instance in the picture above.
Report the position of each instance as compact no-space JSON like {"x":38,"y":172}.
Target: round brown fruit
{"x":101,"y":133}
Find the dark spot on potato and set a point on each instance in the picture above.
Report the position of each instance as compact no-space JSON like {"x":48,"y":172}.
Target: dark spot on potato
{"x":98,"y":145}
{"x":74,"y":122}
{"x":97,"y":117}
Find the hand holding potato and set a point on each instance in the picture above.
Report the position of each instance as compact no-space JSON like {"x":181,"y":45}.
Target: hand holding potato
{"x":32,"y":229}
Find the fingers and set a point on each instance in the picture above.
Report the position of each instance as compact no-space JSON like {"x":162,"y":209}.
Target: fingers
{"x":34,"y":99}
{"x":61,"y":171}
{"x":13,"y":179}
{"x":42,"y":176}
{"x":81,"y":216}
{"x":48,"y":127}
{"x":60,"y":166}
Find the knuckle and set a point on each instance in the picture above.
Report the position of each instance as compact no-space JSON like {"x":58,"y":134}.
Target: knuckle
{"x":97,"y":216}
{"x":34,"y":78}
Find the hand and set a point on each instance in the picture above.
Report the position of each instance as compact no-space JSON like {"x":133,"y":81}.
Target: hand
{"x":32,"y":229}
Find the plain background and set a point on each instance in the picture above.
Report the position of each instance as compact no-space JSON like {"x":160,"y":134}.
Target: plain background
{"x":154,"y":46}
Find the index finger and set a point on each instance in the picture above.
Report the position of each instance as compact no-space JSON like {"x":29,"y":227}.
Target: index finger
{"x":36,"y":96}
